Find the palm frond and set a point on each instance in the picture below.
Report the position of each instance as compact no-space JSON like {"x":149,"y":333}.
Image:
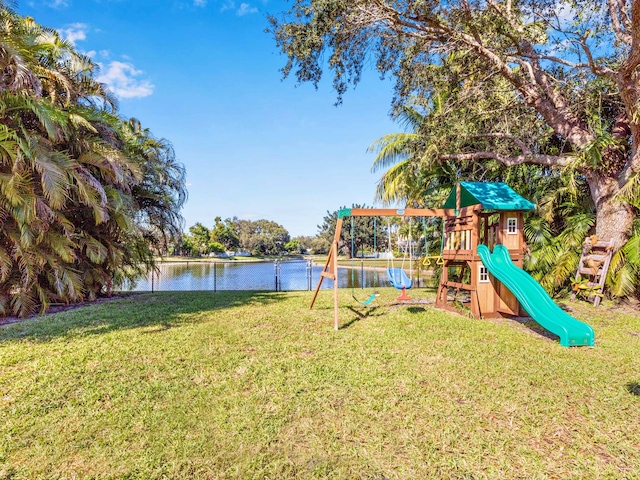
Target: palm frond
{"x":392,"y":149}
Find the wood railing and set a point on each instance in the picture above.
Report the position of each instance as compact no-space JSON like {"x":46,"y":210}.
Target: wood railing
{"x":459,"y":236}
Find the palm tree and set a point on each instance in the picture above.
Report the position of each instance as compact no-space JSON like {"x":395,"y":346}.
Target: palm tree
{"x":84,"y":197}
{"x":555,"y":232}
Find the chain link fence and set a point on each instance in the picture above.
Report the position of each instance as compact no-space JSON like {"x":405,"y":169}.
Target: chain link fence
{"x":278,"y":276}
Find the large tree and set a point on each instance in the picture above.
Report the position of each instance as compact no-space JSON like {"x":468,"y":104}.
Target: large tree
{"x":224,"y":233}
{"x":86,"y":197}
{"x":545,"y":82}
{"x":261,"y":237}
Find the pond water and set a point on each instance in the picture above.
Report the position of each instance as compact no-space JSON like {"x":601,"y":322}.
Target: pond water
{"x":276,"y":276}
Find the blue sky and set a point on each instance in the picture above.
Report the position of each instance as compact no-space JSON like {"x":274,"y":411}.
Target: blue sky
{"x":204,"y":75}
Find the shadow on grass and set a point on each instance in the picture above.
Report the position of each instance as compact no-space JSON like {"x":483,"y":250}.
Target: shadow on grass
{"x":416,"y":309}
{"x":633,"y":388}
{"x":163,"y":310}
{"x":564,"y":307}
{"x":360,"y":315}
{"x":535,"y":327}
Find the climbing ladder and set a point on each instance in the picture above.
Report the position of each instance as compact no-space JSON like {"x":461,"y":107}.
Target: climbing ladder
{"x":594,"y":264}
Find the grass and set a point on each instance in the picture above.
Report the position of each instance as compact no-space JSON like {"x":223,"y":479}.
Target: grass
{"x":255,"y":385}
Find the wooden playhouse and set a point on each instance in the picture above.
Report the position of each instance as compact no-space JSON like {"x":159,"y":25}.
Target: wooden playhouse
{"x":476,"y":213}
{"x":487,"y":214}
{"x":482,"y":257}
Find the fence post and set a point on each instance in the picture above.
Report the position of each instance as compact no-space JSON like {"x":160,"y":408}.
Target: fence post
{"x":153,"y":274}
{"x":361,"y":273}
{"x":215,"y":276}
{"x":309,"y":274}
{"x":275,"y":271}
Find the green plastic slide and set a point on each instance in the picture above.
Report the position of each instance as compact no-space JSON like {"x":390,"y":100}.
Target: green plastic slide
{"x":534,"y":299}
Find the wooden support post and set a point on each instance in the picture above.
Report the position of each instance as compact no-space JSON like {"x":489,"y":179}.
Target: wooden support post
{"x":486,"y":240}
{"x":442,"y":288}
{"x":330,"y":271}
{"x":335,"y":280}
{"x":323,"y":273}
{"x":475,"y":305}
{"x":475,"y":234}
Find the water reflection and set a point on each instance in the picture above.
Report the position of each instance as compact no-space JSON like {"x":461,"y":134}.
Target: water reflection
{"x":282,"y":276}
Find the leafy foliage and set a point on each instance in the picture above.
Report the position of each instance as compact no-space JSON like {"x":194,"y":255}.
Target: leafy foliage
{"x":260,"y":237}
{"x":86,"y":197}
{"x":486,"y":84}
{"x":225,"y":234}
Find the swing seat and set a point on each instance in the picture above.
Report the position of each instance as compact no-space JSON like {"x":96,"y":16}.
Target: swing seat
{"x":369,"y":300}
{"x":398,"y":278}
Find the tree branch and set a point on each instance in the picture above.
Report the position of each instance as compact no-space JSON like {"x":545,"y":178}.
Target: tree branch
{"x":630,"y":171}
{"x":526,"y":66}
{"x":619,"y":30}
{"x":624,"y":17}
{"x":509,"y":161}
{"x":551,"y":58}
{"x":633,"y":60}
{"x":595,"y":68}
{"x":508,"y":15}
{"x":537,"y":90}
{"x":523,"y":146}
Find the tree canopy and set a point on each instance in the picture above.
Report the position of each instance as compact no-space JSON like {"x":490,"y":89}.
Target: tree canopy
{"x":260,"y":237}
{"x":86,"y":196}
{"x":547,"y":83}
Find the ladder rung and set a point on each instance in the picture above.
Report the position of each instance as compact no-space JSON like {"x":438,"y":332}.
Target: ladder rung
{"x":589,"y":271}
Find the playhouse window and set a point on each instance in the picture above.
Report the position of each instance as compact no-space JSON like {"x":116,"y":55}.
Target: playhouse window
{"x":512,"y":226}
{"x":484,"y":274}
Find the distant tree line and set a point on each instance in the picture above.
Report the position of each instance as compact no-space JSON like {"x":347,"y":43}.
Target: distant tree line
{"x":259,"y":237}
{"x":264,"y":237}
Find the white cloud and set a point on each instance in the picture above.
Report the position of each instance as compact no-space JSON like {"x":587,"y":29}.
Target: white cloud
{"x":99,"y":54}
{"x":228,"y":5}
{"x":74,"y":32}
{"x":58,"y":3}
{"x":200,"y":3}
{"x":121,"y":79}
{"x":564,"y":13}
{"x":246,"y":9}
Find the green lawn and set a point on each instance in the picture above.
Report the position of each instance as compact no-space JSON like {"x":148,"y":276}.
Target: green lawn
{"x":257,"y":386}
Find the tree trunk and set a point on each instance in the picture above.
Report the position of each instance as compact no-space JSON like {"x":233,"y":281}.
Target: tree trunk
{"x":614,"y":218}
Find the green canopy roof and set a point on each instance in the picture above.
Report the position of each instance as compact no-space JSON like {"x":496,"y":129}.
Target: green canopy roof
{"x":492,"y":196}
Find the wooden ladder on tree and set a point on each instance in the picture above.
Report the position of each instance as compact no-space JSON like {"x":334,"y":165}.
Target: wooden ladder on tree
{"x":594,"y":264}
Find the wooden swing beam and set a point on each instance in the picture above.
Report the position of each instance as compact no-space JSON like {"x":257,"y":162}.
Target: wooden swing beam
{"x":330,"y":269}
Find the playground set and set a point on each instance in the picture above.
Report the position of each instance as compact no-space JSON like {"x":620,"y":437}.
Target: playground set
{"x":483,"y":235}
